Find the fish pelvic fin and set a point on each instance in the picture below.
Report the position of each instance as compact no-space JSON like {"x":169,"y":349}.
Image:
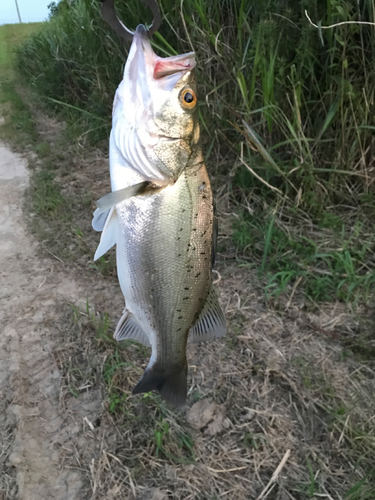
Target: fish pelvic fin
{"x":129,"y":328}
{"x":170,"y":383}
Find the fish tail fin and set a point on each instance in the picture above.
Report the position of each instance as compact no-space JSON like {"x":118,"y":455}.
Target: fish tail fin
{"x":170,"y":383}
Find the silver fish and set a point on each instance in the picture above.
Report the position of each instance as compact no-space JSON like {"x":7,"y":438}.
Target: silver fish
{"x":160,"y":216}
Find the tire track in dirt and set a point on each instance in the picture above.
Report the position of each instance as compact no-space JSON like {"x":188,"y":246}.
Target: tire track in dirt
{"x":31,"y":292}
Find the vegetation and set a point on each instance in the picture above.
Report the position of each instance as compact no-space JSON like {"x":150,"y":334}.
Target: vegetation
{"x":299,"y":96}
{"x":10,"y":37}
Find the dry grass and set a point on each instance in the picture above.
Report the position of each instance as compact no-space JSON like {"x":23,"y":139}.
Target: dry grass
{"x":8,"y":486}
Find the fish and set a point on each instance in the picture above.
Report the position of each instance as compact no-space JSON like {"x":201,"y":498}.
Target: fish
{"x":160,"y":216}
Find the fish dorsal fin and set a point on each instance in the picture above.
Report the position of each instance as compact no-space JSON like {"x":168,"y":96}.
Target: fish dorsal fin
{"x":129,"y":328}
{"x":109,"y":234}
{"x":211,"y":321}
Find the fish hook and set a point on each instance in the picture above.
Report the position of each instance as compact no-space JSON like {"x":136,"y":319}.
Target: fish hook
{"x":110,"y":16}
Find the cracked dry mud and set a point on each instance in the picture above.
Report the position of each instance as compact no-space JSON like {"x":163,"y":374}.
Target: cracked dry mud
{"x":35,"y":431}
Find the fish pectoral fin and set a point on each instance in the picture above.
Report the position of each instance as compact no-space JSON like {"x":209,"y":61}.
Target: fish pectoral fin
{"x":171,"y":382}
{"x":99,"y":219}
{"x":129,"y":328}
{"x":211,"y":321}
{"x":109,"y":234}
{"x":113,"y":198}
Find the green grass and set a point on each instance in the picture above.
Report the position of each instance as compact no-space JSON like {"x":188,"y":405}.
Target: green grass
{"x":327,"y":270}
{"x":363,"y":489}
{"x":18,"y":121}
{"x":11,"y":36}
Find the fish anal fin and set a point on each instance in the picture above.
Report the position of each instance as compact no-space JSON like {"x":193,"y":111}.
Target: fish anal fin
{"x":128,"y":328}
{"x":171,"y":383}
{"x":211,"y":321}
{"x":109,"y":234}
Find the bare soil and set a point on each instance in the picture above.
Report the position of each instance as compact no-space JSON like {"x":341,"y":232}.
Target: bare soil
{"x":35,"y":430}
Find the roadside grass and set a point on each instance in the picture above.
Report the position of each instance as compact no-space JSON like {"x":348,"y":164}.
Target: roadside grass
{"x":11,"y":36}
{"x":53,"y":204}
{"x":21,"y":123}
{"x":331,"y":260}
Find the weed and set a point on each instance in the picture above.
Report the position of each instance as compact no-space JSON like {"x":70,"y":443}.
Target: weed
{"x":326,"y":275}
{"x":161,"y":433}
{"x":106,"y":265}
{"x":363,"y":489}
{"x":46,"y":194}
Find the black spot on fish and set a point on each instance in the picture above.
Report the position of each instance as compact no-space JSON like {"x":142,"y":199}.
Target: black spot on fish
{"x":185,"y":298}
{"x":197,"y":275}
{"x":180,"y":317}
{"x":202,"y":253}
{"x":186,"y":288}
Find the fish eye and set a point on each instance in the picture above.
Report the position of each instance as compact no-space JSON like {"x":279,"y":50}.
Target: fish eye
{"x":188,"y":99}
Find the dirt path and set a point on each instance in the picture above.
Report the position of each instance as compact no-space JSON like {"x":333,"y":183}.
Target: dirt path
{"x":34,"y":430}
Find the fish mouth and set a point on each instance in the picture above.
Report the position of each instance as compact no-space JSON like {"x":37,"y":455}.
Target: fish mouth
{"x":158,"y":67}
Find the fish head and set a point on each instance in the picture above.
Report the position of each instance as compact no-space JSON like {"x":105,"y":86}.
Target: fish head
{"x":158,"y":106}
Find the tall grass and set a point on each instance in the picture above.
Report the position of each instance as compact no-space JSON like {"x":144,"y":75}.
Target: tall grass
{"x":293,"y":103}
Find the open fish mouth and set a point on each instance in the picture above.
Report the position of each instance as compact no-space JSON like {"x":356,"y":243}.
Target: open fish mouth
{"x":146,"y":66}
